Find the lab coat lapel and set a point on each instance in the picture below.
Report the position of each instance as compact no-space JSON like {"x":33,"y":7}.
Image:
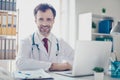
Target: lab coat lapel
{"x":53,"y":48}
{"x":41,"y":46}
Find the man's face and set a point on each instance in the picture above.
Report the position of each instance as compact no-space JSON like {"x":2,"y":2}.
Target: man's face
{"x":44,"y":21}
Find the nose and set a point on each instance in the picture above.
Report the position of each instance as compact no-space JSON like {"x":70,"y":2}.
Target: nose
{"x":45,"y":23}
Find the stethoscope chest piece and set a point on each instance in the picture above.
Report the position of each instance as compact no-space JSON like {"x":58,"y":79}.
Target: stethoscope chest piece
{"x":57,"y":52}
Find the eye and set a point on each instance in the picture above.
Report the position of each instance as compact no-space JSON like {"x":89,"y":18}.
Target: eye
{"x":49,"y":19}
{"x":40,"y":19}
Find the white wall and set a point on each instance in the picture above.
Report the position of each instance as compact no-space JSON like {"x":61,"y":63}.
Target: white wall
{"x":95,"y":6}
{"x":68,"y":21}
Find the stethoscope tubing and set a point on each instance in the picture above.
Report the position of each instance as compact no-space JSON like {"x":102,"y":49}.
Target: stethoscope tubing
{"x":34,"y":44}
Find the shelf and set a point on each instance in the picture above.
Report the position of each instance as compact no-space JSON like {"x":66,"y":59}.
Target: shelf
{"x":101,"y":34}
{"x":102,"y":16}
{"x":8,"y":29}
{"x":8,"y":36}
{"x":6,"y":11}
{"x":103,"y":25}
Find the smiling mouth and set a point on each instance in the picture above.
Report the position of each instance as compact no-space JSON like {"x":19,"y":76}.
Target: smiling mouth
{"x":45,"y":30}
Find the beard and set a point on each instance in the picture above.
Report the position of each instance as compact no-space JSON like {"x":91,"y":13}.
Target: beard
{"x":45,"y":30}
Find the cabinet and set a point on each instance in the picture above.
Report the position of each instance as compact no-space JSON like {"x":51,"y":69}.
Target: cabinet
{"x":87,"y":33}
{"x":102,"y":23}
{"x":8,"y":29}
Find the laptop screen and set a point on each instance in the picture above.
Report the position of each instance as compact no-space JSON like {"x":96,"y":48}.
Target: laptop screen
{"x":89,"y":54}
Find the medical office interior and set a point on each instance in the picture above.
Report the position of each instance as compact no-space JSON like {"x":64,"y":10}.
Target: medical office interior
{"x":72,"y":16}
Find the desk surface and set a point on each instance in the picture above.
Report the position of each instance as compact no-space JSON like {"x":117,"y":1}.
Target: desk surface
{"x":61,"y":77}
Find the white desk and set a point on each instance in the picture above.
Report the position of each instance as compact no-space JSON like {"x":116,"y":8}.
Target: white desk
{"x":60,"y":77}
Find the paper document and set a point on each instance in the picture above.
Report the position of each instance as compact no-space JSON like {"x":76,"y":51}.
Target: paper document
{"x":33,"y":74}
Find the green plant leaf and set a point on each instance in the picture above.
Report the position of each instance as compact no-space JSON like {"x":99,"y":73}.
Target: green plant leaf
{"x":98,"y":69}
{"x":93,"y":25}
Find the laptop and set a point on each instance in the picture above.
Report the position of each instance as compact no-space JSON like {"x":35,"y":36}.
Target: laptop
{"x":89,"y":54}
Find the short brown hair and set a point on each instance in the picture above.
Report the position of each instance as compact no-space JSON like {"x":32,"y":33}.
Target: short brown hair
{"x":43,"y":8}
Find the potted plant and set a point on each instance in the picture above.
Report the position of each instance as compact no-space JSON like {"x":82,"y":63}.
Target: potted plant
{"x":98,"y":73}
{"x":94,"y":26}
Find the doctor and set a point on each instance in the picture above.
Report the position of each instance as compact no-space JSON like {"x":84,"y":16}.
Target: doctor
{"x":42,"y":50}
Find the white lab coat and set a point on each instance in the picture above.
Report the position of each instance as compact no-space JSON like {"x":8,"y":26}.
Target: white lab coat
{"x":26,"y":60}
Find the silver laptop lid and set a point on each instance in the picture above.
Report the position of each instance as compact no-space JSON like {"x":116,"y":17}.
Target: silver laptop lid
{"x":89,"y":54}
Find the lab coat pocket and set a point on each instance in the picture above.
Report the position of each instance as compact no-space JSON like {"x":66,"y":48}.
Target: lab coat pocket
{"x":55,"y":57}
{"x":60,"y":57}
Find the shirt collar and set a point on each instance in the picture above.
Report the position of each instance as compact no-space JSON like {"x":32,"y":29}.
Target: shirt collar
{"x":41,"y":37}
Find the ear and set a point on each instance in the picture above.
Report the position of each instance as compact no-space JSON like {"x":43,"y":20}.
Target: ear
{"x":54,"y":21}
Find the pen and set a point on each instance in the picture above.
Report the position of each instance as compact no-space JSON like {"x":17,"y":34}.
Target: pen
{"x":113,"y":62}
{"x":24,"y":73}
{"x":116,"y":71}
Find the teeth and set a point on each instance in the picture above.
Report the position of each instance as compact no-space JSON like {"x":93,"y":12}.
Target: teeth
{"x":45,"y":27}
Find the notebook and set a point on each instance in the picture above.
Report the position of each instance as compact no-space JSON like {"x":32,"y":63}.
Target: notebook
{"x":32,"y":75}
{"x":89,"y":54}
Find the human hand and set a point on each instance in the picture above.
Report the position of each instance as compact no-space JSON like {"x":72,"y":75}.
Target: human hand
{"x":60,"y":66}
